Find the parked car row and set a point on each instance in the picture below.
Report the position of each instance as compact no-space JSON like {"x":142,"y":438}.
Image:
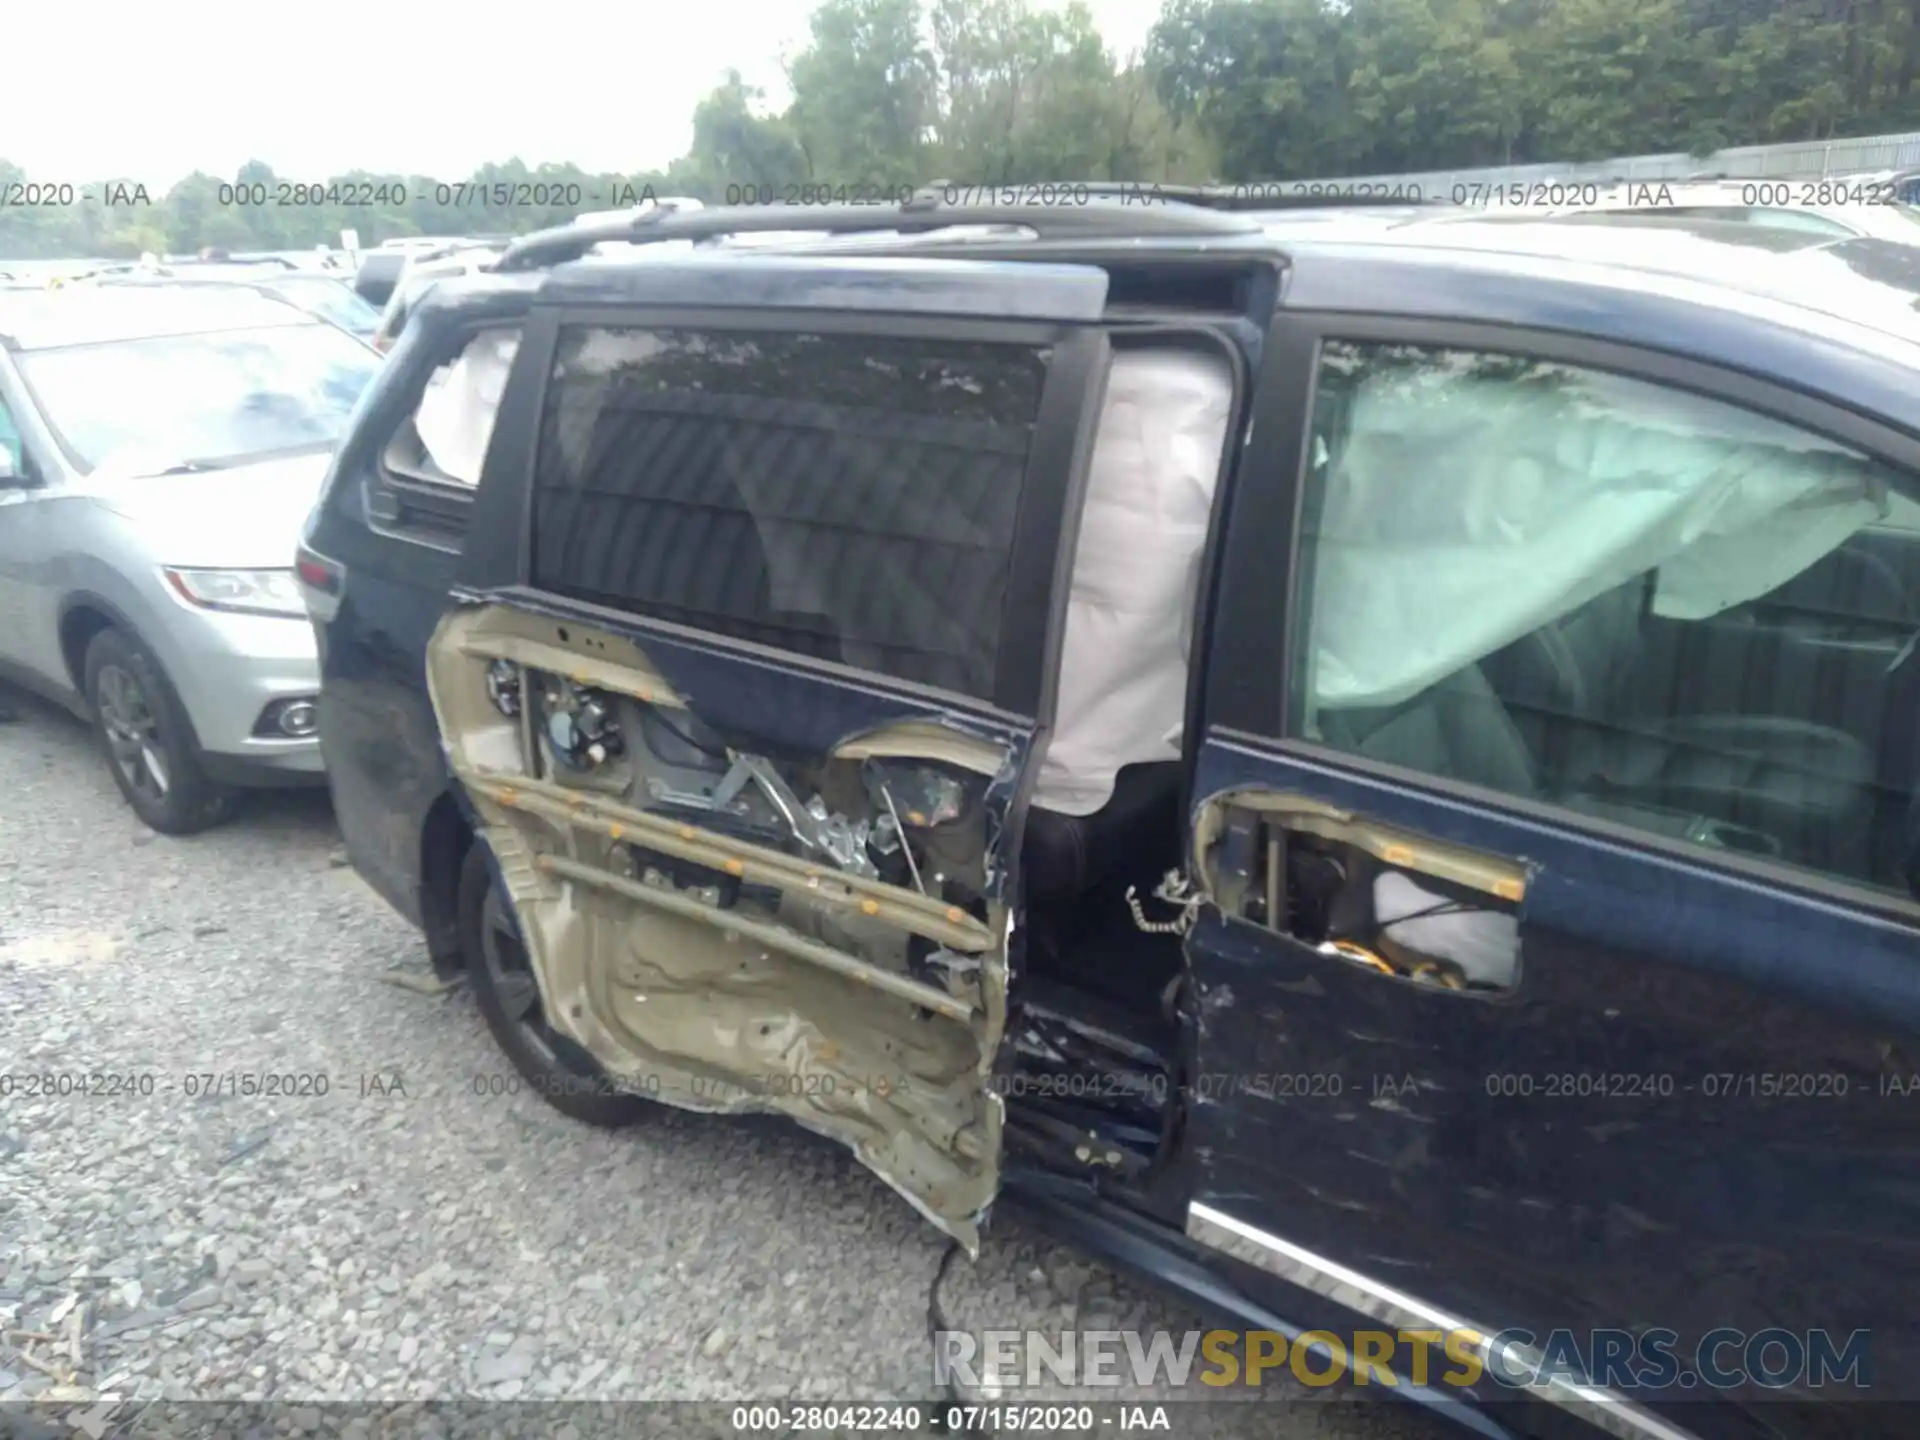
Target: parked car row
{"x":381,"y":270}
{"x":423,"y":270}
{"x":1363,"y":764}
{"x":323,"y":296}
{"x":1833,"y":210}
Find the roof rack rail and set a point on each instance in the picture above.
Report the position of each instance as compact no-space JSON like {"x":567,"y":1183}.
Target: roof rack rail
{"x":1119,"y":211}
{"x":1250,"y":195}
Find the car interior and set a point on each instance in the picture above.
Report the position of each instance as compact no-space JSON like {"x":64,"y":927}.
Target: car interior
{"x":1771,"y":726}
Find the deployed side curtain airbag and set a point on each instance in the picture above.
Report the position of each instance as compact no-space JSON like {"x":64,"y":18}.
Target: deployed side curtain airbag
{"x":1123,"y":662}
{"x":1470,"y":499}
{"x":455,"y":418}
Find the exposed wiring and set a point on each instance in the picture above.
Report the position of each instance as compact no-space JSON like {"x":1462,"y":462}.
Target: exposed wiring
{"x":959,"y":1402}
{"x":1360,"y":954}
{"x":906,"y":846}
{"x":1430,"y":970}
{"x":1174,"y":889}
{"x":1444,"y":907}
{"x":659,"y":716}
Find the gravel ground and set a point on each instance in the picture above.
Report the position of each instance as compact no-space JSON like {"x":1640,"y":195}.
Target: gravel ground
{"x":402,"y":1238}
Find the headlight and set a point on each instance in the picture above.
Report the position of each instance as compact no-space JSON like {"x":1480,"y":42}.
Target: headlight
{"x":241,"y":592}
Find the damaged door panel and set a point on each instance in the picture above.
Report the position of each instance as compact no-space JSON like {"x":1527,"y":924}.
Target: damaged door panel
{"x":823,"y":936}
{"x":1391,"y":901}
{"x":746,"y":667}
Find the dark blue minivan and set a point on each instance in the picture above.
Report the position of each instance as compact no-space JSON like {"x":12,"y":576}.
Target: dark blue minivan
{"x":1366,"y":770}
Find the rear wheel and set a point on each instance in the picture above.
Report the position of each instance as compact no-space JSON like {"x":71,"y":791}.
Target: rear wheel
{"x":149,"y":742}
{"x":504,"y":988}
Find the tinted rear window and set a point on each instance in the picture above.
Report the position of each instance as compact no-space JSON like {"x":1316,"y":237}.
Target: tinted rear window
{"x":847,"y":497}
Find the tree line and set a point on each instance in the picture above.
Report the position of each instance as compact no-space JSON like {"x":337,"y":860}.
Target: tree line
{"x":888,"y":94}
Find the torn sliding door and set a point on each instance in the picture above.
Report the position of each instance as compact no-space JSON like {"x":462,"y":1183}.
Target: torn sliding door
{"x":823,"y":937}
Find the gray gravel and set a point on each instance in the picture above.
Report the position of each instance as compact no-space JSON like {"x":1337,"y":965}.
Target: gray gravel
{"x":402,"y":1237}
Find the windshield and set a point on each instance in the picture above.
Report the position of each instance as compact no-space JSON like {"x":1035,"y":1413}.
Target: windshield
{"x":331,"y":301}
{"x":206,"y":399}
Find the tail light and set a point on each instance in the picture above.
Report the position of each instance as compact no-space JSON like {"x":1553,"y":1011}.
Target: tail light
{"x":322,"y":582}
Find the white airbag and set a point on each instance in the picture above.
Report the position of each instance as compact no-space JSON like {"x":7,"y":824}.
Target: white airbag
{"x":1484,"y":944}
{"x":1123,"y":664}
{"x":1468,"y":506}
{"x":455,"y":418}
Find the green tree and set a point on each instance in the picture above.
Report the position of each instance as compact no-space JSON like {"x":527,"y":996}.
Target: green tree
{"x":1024,"y":93}
{"x":734,"y":145}
{"x":195,"y":216}
{"x":900,"y":92}
{"x":1428,"y":85}
{"x":865,"y":94}
{"x":1621,"y":77}
{"x":1266,"y":79}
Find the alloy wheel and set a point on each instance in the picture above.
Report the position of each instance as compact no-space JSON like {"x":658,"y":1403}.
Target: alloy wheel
{"x":510,"y":973}
{"x":133,"y":732}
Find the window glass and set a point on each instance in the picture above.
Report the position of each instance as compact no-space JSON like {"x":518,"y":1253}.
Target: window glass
{"x":215,"y":398}
{"x":1611,"y":595}
{"x":454,"y":422}
{"x":848,"y":497}
{"x":1903,"y":513}
{"x":11,"y":444}
{"x":1801,"y":220}
{"x":332,"y":302}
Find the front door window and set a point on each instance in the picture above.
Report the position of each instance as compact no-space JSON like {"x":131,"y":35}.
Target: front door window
{"x":1612,"y":596}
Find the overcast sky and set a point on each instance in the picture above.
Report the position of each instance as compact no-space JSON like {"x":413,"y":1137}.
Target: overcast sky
{"x":388,"y":85}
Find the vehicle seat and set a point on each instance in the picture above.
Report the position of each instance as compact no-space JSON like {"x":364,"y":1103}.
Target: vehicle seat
{"x":1065,"y":856}
{"x":1566,"y":683}
{"x":1456,"y":728}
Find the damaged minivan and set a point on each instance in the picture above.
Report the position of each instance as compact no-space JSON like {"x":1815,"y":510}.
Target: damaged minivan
{"x":1370,"y":778}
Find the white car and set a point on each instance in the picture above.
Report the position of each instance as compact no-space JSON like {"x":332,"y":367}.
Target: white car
{"x":423,"y":270}
{"x":1850,"y":207}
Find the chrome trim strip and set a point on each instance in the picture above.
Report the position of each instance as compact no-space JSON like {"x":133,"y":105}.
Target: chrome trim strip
{"x":1606,"y":1411}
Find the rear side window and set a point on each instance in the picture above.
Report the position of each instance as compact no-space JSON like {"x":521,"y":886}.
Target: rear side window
{"x":847,"y":497}
{"x":445,"y":440}
{"x":422,"y":488}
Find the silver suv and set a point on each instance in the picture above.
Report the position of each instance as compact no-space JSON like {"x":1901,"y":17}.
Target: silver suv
{"x":159,"y":448}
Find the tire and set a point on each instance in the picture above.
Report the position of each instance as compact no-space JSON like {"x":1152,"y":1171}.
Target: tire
{"x":148,"y":740}
{"x":556,"y":1069}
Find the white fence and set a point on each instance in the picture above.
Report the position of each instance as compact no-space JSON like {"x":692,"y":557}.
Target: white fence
{"x":1806,"y":160}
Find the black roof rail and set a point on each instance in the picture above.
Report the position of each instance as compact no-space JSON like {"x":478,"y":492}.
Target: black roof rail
{"x":278,"y":262}
{"x":1139,"y":211}
{"x":1247,"y":195}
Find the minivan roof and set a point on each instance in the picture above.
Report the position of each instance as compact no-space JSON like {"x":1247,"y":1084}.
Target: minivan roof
{"x":1871,"y":283}
{"x":1836,"y":317}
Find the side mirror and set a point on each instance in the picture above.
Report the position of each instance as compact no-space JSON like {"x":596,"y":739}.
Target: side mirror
{"x":9,"y":472}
